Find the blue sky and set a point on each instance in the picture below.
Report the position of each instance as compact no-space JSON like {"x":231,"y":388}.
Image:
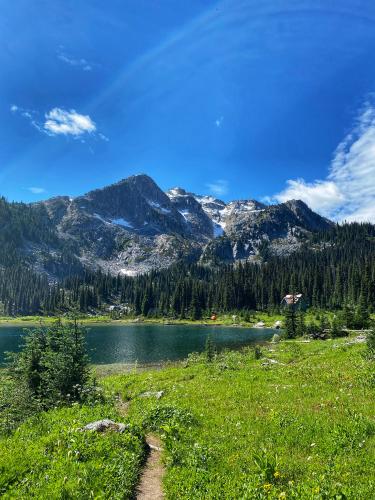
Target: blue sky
{"x":242,"y":99}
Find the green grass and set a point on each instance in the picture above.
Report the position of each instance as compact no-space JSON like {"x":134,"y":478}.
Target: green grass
{"x":222,"y":319}
{"x":241,"y":428}
{"x":49,"y":457}
{"x":298,"y":423}
{"x":36,"y":320}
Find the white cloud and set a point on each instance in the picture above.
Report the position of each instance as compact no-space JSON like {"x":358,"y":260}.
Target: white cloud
{"x":348,"y":192}
{"x":36,"y":190}
{"x":322,"y":196}
{"x":62,"y":122}
{"x":218,"y":188}
{"x":59,"y":121}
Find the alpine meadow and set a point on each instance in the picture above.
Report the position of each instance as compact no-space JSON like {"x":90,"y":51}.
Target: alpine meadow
{"x":187,"y":250}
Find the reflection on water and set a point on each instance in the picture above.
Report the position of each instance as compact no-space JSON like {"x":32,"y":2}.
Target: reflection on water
{"x":148,"y":343}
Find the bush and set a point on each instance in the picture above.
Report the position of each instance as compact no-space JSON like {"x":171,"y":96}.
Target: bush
{"x":257,"y":352}
{"x":337,"y":329}
{"x":162,"y":415}
{"x":52,"y":369}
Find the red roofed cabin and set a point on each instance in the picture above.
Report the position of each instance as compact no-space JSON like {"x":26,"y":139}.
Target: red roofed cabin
{"x":294,"y":300}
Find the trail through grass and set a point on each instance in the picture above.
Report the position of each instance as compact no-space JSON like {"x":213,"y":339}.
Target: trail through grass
{"x":297,"y":423}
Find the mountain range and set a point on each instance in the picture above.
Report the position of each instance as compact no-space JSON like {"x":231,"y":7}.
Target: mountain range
{"x":133,"y":226}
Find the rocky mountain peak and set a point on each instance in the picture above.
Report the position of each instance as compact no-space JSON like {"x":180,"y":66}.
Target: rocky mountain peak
{"x":132,"y":226}
{"x":177,"y":191}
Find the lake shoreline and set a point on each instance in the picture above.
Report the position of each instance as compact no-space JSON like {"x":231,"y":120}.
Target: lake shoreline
{"x":139,"y":343}
{"x":29,"y":321}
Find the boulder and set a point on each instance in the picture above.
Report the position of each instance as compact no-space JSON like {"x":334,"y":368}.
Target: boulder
{"x":260,"y":324}
{"x":152,"y":394}
{"x":105,"y":425}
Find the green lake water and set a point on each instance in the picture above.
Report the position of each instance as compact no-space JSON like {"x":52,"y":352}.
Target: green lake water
{"x":109,"y":344}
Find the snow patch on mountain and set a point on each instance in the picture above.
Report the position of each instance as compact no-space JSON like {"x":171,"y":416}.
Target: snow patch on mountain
{"x":218,"y":230}
{"x":185,"y":214}
{"x":118,"y":221}
{"x":97,"y":216}
{"x":158,"y":207}
{"x":128,"y":272}
{"x":122,"y":222}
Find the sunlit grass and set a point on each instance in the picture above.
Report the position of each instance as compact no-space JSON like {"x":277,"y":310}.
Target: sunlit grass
{"x":49,"y":457}
{"x":243,"y":428}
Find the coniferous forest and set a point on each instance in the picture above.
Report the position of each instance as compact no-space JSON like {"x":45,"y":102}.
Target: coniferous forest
{"x":333,"y":269}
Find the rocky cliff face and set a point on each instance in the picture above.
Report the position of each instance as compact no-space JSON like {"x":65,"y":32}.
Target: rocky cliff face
{"x":133,"y":226}
{"x":281,"y":229}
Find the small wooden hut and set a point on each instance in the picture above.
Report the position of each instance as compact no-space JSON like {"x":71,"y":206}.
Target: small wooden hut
{"x":295,"y":300}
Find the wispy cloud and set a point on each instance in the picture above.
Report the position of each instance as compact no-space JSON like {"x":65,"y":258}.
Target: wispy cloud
{"x":219,"y":121}
{"x":30,"y":114}
{"x":348,"y":192}
{"x":218,"y":188}
{"x":36,"y":190}
{"x":59,"y":121}
{"x":78,"y":62}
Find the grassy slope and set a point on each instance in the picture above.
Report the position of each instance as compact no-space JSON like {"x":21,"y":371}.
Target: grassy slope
{"x":303,"y":428}
{"x":48,"y":457}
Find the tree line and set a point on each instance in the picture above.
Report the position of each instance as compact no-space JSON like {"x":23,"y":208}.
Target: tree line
{"x":333,"y":269}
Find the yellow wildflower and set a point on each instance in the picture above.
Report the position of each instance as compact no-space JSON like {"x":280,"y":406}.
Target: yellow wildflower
{"x":277,"y":475}
{"x":267,"y":486}
{"x":282,"y":495}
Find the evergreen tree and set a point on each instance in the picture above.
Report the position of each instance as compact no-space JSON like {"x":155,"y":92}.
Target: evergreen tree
{"x":336,"y":327}
{"x":332,"y":268}
{"x":53,"y":364}
{"x":209,"y":349}
{"x":195,"y":306}
{"x":362,"y":315}
{"x":300,"y":324}
{"x":290,"y":322}
{"x":348,"y":316}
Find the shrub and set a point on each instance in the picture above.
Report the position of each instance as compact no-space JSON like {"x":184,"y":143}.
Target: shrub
{"x":257,"y":352}
{"x":337,"y":329}
{"x":162,"y":415}
{"x":52,"y":369}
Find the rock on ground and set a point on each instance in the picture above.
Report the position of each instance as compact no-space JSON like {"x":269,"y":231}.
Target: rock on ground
{"x":105,"y":425}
